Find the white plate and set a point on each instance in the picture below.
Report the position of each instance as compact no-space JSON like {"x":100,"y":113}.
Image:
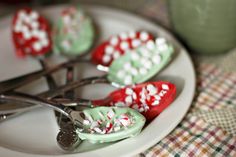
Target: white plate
{"x":34,"y":133}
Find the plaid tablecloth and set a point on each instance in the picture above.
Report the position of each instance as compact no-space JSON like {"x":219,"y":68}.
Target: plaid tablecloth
{"x":209,"y":128}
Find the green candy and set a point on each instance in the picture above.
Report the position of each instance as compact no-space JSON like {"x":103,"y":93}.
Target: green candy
{"x":138,"y":121}
{"x":74,"y":32}
{"x":142,"y":63}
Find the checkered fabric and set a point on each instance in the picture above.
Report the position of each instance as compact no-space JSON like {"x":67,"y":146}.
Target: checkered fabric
{"x":209,"y":128}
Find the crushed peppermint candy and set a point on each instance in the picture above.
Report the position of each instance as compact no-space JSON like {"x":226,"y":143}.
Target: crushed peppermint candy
{"x":118,"y":45}
{"x":142,"y":60}
{"x":143,"y":98}
{"x":31,"y":33}
{"x":112,"y":124}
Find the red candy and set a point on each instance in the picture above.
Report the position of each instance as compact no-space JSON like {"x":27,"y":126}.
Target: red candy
{"x":150,"y":99}
{"x":118,"y":45}
{"x":31,"y":33}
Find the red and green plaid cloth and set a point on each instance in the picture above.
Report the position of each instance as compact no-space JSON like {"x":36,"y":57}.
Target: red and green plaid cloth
{"x":209,"y":128}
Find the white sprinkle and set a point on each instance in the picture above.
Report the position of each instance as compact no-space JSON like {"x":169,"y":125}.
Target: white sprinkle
{"x":35,"y":32}
{"x":141,"y":109}
{"x":45,"y":42}
{"x":163,"y":47}
{"x":27,"y":35}
{"x":164,"y":86}
{"x":116,"y":54}
{"x":127,"y":66}
{"x":22,"y":15}
{"x":110,"y":114}
{"x":128,"y":80}
{"x":155,"y":103}
{"x":27,"y":19}
{"x":134,"y":56}
{"x":34,"y":15}
{"x":98,"y":130}
{"x":132,"y":34}
{"x":34,"y":25}
{"x":42,"y":34}
{"x":117,"y":128}
{"x":94,"y":124}
{"x":106,"y":58}
{"x":148,"y":64}
{"x":124,"y":120}
{"x":66,"y":19}
{"x":124,"y":45}
{"x":37,"y":46}
{"x":18,"y":28}
{"x":86,"y":122}
{"x":24,"y":29}
{"x":157,"y":97}
{"x":129,"y":91}
{"x":89,"y":117}
{"x":151,"y":89}
{"x":150,"y":45}
{"x":143,"y":100}
{"x":145,"y":52}
{"x":134,"y":71}
{"x":123,"y":36}
{"x":135,"y":43}
{"x":143,"y":71}
{"x":143,"y":61}
{"x":135,"y":106}
{"x":156,"y":59}
{"x":66,"y":44}
{"x":114,"y":41}
{"x":143,"y":36}
{"x":109,"y":49}
{"x":134,"y":96}
{"x":128,"y":99}
{"x":160,"y":41}
{"x":121,"y":74}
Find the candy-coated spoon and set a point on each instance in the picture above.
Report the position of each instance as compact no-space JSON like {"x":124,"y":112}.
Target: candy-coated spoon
{"x":101,"y":124}
{"x":31,"y":33}
{"x":74,"y":32}
{"x":131,"y":68}
{"x":149,"y":98}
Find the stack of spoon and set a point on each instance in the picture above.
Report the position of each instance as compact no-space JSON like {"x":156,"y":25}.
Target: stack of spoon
{"x":129,"y":59}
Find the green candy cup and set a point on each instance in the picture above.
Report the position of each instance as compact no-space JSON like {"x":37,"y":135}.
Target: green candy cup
{"x":130,"y":131}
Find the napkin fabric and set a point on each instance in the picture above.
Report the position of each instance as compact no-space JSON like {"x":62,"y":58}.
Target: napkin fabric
{"x":209,"y":128}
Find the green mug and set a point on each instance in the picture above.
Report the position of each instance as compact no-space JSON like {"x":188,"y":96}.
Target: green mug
{"x":206,"y":26}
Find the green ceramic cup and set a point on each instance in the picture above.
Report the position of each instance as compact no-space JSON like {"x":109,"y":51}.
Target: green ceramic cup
{"x":206,"y":26}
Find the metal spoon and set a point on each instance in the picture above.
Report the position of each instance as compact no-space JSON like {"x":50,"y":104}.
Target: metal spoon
{"x":84,"y":120}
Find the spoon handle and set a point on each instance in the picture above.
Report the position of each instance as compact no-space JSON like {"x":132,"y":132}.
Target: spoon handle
{"x":60,"y":91}
{"x":23,"y":80}
{"x":29,"y":99}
